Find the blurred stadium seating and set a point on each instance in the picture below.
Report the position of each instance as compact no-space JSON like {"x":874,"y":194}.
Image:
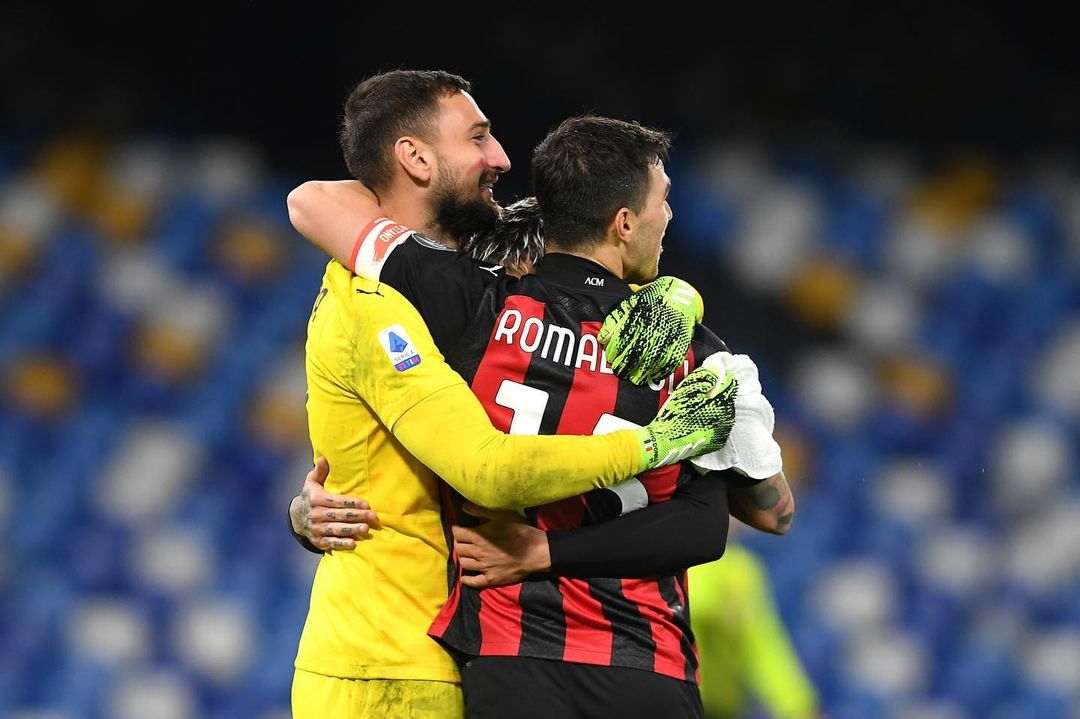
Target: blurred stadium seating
{"x":152,"y":308}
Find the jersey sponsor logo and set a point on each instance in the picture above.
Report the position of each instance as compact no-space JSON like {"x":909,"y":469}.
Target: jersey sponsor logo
{"x":399,"y":348}
{"x":595,"y":281}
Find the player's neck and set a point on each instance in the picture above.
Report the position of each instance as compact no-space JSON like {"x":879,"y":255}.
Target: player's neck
{"x":411,"y":208}
{"x":604,"y":255}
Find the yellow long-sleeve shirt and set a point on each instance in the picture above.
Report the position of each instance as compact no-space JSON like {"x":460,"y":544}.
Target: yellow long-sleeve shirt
{"x":391,"y":417}
{"x":743,"y":647}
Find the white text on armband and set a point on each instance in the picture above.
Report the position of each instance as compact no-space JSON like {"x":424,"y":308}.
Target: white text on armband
{"x":374,"y":245}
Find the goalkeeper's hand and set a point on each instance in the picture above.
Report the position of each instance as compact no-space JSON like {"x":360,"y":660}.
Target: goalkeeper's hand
{"x":696,"y":419}
{"x":646,"y":337}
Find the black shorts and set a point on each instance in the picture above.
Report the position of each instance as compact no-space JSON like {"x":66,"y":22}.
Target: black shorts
{"x":524,"y":688}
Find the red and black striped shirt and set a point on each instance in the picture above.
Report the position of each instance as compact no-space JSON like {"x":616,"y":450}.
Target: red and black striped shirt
{"x":530,"y":354}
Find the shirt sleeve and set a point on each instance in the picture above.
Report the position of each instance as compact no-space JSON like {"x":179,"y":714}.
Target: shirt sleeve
{"x":688,"y":529}
{"x":375,"y":245}
{"x":395,"y":362}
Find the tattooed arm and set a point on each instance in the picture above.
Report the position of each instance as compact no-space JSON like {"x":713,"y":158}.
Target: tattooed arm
{"x":766,"y":505}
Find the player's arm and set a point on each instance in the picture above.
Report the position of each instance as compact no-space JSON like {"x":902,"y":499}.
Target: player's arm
{"x":450,"y":432}
{"x":766,"y":505}
{"x":332,"y":214}
{"x":690,"y":528}
{"x":344,"y":219}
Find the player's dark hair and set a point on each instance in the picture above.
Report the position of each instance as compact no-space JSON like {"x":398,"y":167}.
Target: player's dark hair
{"x":587,"y":169}
{"x":387,"y":106}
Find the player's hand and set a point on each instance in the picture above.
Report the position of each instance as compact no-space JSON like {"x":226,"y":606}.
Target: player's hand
{"x":696,"y":419}
{"x":503,"y":550}
{"x":330,"y":521}
{"x":646,"y":337}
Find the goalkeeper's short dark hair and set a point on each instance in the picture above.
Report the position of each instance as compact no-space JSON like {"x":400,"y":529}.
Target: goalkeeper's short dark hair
{"x":589,"y":167}
{"x":387,"y":106}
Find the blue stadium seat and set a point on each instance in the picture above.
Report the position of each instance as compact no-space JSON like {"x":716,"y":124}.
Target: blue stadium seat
{"x":1036,"y":212}
{"x":854,"y":227}
{"x":855,"y":702}
{"x":1034,"y":704}
{"x":183,"y":230}
{"x":939,"y":618}
{"x":820,"y":647}
{"x":96,"y":347}
{"x":97,"y":562}
{"x":79,"y":687}
{"x":979,"y":676}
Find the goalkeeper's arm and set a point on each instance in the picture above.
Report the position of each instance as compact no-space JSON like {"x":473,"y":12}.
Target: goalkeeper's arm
{"x":331,"y":214}
{"x":500,"y":471}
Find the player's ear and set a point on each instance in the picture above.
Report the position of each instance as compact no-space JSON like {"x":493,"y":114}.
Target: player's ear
{"x":415,"y":158}
{"x":623,"y":223}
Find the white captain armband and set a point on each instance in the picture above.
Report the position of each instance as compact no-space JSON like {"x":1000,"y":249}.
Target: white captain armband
{"x":374,"y":245}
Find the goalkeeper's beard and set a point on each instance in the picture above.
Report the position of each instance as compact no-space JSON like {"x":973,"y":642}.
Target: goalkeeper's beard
{"x":461,"y":212}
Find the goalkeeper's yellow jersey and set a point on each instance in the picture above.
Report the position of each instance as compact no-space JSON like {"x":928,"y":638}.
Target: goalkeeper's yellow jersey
{"x":377,"y":384}
{"x":371,"y":608}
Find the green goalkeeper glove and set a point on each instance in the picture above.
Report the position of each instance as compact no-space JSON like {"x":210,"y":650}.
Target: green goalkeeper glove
{"x":696,"y":419}
{"x":646,"y":337}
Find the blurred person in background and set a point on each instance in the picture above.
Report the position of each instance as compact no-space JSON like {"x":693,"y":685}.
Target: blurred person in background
{"x":746,"y":654}
{"x":373,"y":369}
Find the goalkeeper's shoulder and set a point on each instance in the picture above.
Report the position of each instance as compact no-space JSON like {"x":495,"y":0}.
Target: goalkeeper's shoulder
{"x":365,"y":308}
